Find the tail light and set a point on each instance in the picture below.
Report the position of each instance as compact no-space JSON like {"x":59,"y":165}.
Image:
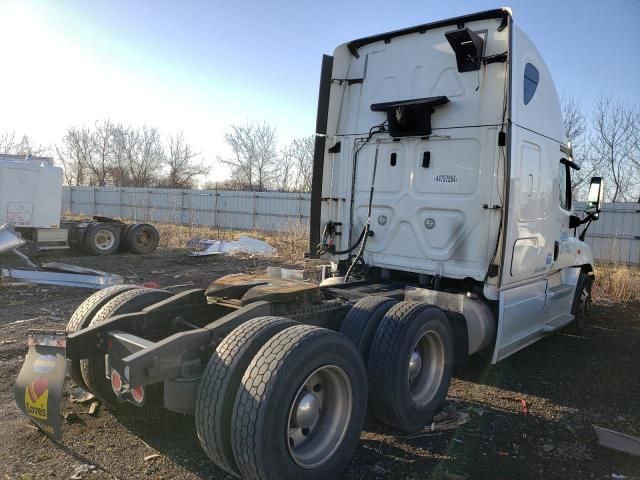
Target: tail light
{"x":116,"y":381}
{"x":137,"y":393}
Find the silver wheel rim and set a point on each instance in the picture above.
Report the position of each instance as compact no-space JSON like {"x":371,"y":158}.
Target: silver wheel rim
{"x":426,"y":367}
{"x":319,"y":416}
{"x":104,"y":239}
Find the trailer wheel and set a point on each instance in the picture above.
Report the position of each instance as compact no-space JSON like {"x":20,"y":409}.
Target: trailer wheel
{"x":581,"y":305}
{"x":93,"y":369}
{"x":124,"y":246}
{"x":142,"y":238}
{"x":300,"y":407}
{"x":84,"y":314}
{"x":362,"y":321}
{"x":220,"y":383}
{"x":410,"y":365}
{"x":101,"y":238}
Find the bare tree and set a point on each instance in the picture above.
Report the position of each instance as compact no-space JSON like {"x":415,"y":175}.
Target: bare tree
{"x":614,"y":142}
{"x":14,"y":145}
{"x":285,"y":170}
{"x":100,"y":162}
{"x":254,"y":154}
{"x":183,"y":170}
{"x":8,"y":143}
{"x":295,"y":165}
{"x":575,"y":126}
{"x":141,"y":156}
{"x":75,"y":154}
{"x":303,"y":153}
{"x":118,"y":171}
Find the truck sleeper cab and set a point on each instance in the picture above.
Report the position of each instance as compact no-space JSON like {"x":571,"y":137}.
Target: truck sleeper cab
{"x":441,"y":187}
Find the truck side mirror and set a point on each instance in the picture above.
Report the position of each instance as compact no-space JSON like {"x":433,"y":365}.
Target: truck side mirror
{"x":594,"y":200}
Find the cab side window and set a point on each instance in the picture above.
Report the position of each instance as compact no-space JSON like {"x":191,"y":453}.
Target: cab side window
{"x":531,"y":79}
{"x":564,"y":180}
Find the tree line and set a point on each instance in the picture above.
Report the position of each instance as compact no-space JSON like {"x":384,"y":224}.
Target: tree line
{"x":111,"y":154}
{"x":605,"y":143}
{"x":108,"y":153}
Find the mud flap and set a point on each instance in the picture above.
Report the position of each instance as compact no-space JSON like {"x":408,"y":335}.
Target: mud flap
{"x":39,"y":385}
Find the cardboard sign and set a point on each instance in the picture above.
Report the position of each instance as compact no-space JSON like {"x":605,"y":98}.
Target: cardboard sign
{"x":39,"y":385}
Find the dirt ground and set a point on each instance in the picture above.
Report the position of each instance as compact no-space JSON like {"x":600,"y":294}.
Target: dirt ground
{"x":569,"y":384}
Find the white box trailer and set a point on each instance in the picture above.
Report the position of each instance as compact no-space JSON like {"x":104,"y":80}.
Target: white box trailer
{"x":30,"y":201}
{"x":30,"y":191}
{"x":442,"y":186}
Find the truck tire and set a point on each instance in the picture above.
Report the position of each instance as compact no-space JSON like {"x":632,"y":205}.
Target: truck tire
{"x":410,"y":365}
{"x":93,"y":369}
{"x":362,"y":321}
{"x":142,"y":238}
{"x":581,"y":305}
{"x":101,"y":238}
{"x":124,"y":246}
{"x":83,"y":315}
{"x":309,"y":382}
{"x":220,"y":383}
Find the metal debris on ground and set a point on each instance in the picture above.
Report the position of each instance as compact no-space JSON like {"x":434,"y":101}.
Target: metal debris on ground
{"x":198,"y":247}
{"x":9,"y":239}
{"x":82,"y":469}
{"x":80,"y":395}
{"x":64,"y":275}
{"x":17,"y":322}
{"x":93,"y":409}
{"x":52,"y":273}
{"x":448,"y":419}
{"x":618,"y":441}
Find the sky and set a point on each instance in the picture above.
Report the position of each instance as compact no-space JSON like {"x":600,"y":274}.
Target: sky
{"x":200,"y":66}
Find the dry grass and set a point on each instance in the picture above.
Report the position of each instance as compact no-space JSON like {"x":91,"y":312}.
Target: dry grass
{"x":617,"y":283}
{"x":290,"y":244}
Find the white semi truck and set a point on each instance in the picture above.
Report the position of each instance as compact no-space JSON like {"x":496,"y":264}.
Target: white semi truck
{"x":442,"y":191}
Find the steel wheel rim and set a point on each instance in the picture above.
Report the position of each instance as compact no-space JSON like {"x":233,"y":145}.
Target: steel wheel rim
{"x":143,"y":239}
{"x":425,"y":378}
{"x":319,"y":416}
{"x":104,"y":239}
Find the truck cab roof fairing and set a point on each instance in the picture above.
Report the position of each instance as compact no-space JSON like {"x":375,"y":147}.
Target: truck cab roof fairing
{"x":503,"y":13}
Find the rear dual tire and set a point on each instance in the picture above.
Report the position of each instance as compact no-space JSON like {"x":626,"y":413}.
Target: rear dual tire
{"x":362,"y":321}
{"x":410,"y":365}
{"x":82,"y":317}
{"x":101,"y":238}
{"x":220,"y":382}
{"x":93,"y":369}
{"x":141,"y":238}
{"x":296,"y":411}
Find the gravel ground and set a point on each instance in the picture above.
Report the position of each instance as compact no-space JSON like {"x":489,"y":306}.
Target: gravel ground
{"x":569,"y":383}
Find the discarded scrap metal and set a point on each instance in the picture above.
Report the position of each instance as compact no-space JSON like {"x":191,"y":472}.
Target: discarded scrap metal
{"x":64,"y":275}
{"x":448,"y":419}
{"x":618,"y":441}
{"x":199,"y":247}
{"x":9,"y":240}
{"x":52,"y":273}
